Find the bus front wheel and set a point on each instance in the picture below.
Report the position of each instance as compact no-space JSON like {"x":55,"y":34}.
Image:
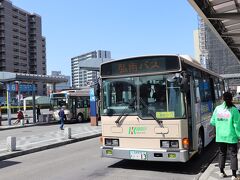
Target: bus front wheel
{"x":80,"y":117}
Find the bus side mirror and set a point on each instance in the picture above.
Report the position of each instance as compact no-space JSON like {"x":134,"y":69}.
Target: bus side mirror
{"x":97,"y":90}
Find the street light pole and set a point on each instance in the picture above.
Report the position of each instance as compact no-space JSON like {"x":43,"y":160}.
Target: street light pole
{"x":19,"y":93}
{"x":34,"y":102}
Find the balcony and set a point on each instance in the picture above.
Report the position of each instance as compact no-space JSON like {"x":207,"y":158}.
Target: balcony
{"x":2,"y":49}
{"x":33,"y":63}
{"x":2,"y":67}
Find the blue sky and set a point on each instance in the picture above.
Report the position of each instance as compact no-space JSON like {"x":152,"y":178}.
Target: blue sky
{"x":124,"y":27}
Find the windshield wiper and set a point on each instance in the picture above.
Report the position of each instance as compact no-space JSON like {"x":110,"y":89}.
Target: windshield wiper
{"x":150,"y":112}
{"x":125,"y":110}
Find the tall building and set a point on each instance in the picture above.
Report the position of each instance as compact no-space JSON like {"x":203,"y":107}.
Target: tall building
{"x":197,"y":51}
{"x":214,"y":55}
{"x":82,"y":77}
{"x":22,"y":46}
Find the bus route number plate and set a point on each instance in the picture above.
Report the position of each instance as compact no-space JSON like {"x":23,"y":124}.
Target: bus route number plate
{"x":140,"y":155}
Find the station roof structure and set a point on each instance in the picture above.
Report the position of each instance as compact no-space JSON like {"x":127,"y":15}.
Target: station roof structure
{"x":9,"y":77}
{"x":223,"y":18}
{"x":230,"y":76}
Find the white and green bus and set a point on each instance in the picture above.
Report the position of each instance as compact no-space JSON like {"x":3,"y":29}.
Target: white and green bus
{"x":76,"y":104}
{"x":157,"y":108}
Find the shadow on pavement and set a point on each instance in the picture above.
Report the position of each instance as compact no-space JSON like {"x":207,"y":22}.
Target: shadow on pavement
{"x":4,"y":164}
{"x":194,"y":166}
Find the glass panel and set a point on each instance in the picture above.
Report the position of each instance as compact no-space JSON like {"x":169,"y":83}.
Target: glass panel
{"x":70,"y":103}
{"x":153,"y":95}
{"x":175,"y":97}
{"x":119,"y":96}
{"x":57,"y":103}
{"x":160,"y":97}
{"x":148,"y":97}
{"x":197,"y":91}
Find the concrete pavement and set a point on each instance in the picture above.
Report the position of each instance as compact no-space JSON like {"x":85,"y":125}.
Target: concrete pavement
{"x":54,"y":137}
{"x":212,"y":172}
{"x":51,"y":138}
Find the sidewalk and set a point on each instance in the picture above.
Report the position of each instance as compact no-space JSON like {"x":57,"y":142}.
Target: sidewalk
{"x":49,"y":139}
{"x":5,"y":125}
{"x":212,"y":172}
{"x":28,"y":115}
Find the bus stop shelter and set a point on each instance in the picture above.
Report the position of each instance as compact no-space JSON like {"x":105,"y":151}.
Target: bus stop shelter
{"x":9,"y":77}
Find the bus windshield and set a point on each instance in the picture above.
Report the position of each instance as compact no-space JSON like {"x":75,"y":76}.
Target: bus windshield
{"x":144,"y":96}
{"x":56,"y":103}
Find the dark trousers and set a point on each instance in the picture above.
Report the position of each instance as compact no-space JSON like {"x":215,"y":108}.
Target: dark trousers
{"x":62,"y":122}
{"x":232,"y":148}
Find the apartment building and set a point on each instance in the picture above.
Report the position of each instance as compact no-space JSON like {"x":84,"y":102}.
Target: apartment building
{"x":82,"y":77}
{"x":22,"y":46}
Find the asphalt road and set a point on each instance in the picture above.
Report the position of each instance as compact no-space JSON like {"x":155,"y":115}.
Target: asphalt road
{"x":80,"y":161}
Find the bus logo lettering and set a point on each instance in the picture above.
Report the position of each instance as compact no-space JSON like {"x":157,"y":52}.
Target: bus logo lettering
{"x":137,"y":130}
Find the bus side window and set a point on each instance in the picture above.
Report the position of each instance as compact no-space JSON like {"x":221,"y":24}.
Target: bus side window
{"x":197,"y":91}
{"x":80,"y":104}
{"x":212,"y":89}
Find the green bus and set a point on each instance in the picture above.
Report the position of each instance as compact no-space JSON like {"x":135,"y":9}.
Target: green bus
{"x":76,"y":104}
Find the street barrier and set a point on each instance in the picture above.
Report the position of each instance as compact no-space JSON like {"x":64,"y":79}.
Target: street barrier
{"x":27,"y":118}
{"x":22,"y":122}
{"x":67,"y":133}
{"x":11,"y":143}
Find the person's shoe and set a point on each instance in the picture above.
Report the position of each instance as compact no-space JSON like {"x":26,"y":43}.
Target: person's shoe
{"x":235,"y":178}
{"x":223,"y":175}
{"x":61,"y":128}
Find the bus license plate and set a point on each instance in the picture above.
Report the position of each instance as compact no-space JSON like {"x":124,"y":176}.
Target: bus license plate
{"x":172,"y":156}
{"x":140,"y":155}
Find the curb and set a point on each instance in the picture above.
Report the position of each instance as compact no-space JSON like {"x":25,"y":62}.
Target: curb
{"x":29,"y":125}
{"x":16,"y":127}
{"x":203,"y":171}
{"x":45,"y":147}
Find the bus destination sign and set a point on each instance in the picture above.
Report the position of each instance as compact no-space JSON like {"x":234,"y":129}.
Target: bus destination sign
{"x":141,"y":65}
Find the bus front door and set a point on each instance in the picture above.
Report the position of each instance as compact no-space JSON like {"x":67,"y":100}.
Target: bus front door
{"x":73,"y":108}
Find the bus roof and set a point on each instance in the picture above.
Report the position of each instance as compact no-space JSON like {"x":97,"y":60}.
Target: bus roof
{"x":184,"y":58}
{"x":75,"y":92}
{"x":141,"y":56}
{"x":189,"y":60}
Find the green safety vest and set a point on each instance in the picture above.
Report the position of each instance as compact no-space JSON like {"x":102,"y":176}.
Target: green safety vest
{"x":227,"y":124}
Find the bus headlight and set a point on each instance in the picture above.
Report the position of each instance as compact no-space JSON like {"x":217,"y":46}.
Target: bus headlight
{"x":169,"y":144}
{"x":174,"y":144}
{"x":111,"y":142}
{"x":164,"y":144}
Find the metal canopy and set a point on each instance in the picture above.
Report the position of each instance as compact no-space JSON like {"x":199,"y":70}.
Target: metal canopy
{"x":231,"y":76}
{"x":223,"y":17}
{"x":9,"y":76}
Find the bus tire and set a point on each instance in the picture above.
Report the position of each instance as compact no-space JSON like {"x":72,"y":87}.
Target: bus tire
{"x":200,"y":142}
{"x":79,"y":117}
